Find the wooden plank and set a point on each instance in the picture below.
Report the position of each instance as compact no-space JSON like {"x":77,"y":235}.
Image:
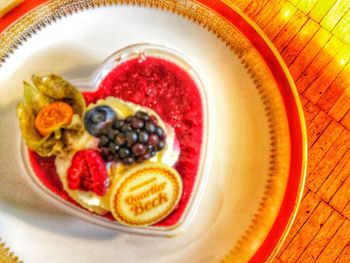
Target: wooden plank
{"x":317,"y":126}
{"x":333,"y":93}
{"x":322,"y":59}
{"x":335,"y":14}
{"x":307,"y":207}
{"x":323,"y":143}
{"x":318,"y":87}
{"x":322,"y":238}
{"x":299,"y":41}
{"x":303,"y":100}
{"x":306,"y":6}
{"x":324,"y":173}
{"x":276,"y":260}
{"x":321,"y":8}
{"x":341,"y":106}
{"x":336,"y":245}
{"x":295,"y":2}
{"x":344,"y":257}
{"x":268,"y":12}
{"x":307,"y":232}
{"x":346,"y":211}
{"x":290,"y":30}
{"x":336,"y":178}
{"x":310,"y":112}
{"x":241,"y":4}
{"x":342,"y":196}
{"x":346,"y":120}
{"x":309,"y":53}
{"x":342,"y":29}
{"x":280,"y":20}
{"x":254,"y":8}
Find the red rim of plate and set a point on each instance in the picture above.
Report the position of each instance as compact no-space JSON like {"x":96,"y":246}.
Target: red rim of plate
{"x":292,"y":106}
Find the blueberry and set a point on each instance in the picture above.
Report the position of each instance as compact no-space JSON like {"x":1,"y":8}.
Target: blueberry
{"x":137,"y":123}
{"x":143,"y":137}
{"x":128,"y":160}
{"x":103,"y":141}
{"x":153,"y":140}
{"x":124,"y":152}
{"x":160,"y":132}
{"x":150,"y":148}
{"x":129,"y":119}
{"x":111,"y":134}
{"x":150,"y":127}
{"x":142,"y":115}
{"x":98,"y":118}
{"x":112,"y":148}
{"x":153,"y":119}
{"x":126,"y":127}
{"x":138,"y":149}
{"x":160,"y":146}
{"x":120,"y":139}
{"x":118,"y":124}
{"x":131,"y":137}
{"x":153,"y":153}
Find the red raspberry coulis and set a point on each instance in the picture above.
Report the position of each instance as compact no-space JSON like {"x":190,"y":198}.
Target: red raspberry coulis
{"x":168,"y":90}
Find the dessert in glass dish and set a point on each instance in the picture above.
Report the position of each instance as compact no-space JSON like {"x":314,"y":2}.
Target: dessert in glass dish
{"x":126,"y":148}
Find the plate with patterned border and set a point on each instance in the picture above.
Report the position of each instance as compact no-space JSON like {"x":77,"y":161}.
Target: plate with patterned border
{"x":259,"y":149}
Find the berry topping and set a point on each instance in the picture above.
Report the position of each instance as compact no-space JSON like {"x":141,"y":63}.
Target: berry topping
{"x":131,"y":137}
{"x":137,"y":123}
{"x":98,"y":120}
{"x":160,"y":132}
{"x":120,"y":139}
{"x":118,"y":124}
{"x":153,"y":140}
{"x":142,"y":115}
{"x":126,"y":127}
{"x":103,"y":141}
{"x":128,"y":160}
{"x":143,"y":137}
{"x":124,"y":152}
{"x":138,"y":149}
{"x":88,"y":172}
{"x":135,"y":139}
{"x":150,"y":127}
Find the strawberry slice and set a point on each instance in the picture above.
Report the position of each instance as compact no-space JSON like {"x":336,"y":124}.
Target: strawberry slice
{"x":88,"y":172}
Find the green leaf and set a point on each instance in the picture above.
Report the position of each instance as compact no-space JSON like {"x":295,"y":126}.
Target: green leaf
{"x":57,"y":88}
{"x":34,"y":99}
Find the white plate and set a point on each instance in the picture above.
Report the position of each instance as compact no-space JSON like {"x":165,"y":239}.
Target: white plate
{"x":251,"y":132}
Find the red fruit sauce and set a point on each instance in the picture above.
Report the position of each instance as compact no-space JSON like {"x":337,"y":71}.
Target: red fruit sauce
{"x":168,"y":90}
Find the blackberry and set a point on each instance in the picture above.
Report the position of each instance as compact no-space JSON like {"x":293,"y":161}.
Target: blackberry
{"x":134,"y":139}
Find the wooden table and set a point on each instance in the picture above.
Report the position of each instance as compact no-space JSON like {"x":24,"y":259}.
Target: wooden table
{"x":313,"y":37}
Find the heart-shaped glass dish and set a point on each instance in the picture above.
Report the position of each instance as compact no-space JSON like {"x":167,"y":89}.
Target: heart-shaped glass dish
{"x":48,"y":188}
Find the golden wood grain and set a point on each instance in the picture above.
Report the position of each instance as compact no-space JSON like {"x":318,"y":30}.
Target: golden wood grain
{"x":322,"y":238}
{"x":324,"y":174}
{"x":314,"y":40}
{"x":306,"y":233}
{"x":336,"y":245}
